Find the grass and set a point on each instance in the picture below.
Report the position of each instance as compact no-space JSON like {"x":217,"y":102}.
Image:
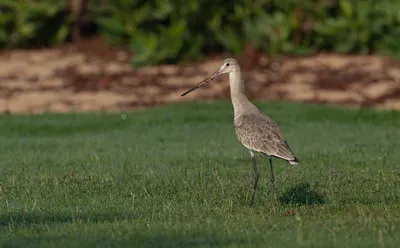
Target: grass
{"x":176,"y":176}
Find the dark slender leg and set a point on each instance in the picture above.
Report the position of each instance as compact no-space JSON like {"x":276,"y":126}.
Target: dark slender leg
{"x":272,"y":182}
{"x":253,"y":159}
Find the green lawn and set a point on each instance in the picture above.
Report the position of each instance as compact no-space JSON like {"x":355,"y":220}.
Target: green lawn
{"x":176,"y":176}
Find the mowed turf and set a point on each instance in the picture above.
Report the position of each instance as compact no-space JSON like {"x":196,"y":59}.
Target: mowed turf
{"x":176,"y":176}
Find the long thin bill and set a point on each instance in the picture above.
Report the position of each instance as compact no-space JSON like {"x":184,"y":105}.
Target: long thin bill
{"x":201,"y":83}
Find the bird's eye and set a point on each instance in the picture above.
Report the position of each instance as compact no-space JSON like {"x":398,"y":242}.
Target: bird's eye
{"x":227,"y":64}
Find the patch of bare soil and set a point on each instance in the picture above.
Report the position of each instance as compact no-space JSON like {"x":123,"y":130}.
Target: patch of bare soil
{"x":92,"y":77}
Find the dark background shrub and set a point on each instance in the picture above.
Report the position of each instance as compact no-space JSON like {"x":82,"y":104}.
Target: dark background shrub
{"x":171,"y":31}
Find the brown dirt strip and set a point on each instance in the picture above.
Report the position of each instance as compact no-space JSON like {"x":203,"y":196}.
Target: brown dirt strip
{"x":81,"y":79}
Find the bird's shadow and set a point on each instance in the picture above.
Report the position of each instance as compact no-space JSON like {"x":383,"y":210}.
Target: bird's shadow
{"x":302,"y":194}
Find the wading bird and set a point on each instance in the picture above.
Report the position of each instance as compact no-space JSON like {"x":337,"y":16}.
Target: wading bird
{"x":255,"y":130}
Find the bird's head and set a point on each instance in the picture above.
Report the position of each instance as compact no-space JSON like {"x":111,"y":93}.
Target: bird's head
{"x":228,"y":65}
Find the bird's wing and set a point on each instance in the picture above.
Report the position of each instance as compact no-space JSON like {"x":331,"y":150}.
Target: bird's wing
{"x":260,"y":133}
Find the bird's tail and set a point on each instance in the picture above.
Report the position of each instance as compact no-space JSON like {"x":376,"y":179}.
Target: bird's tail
{"x":294,"y":161}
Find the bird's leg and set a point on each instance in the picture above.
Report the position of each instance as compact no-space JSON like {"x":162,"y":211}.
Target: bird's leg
{"x":272,"y":182}
{"x":253,"y":159}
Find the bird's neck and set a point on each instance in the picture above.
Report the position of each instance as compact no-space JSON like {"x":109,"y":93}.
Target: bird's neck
{"x":239,"y":99}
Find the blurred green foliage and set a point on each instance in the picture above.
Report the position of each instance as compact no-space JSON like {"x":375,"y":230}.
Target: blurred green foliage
{"x":25,"y":23}
{"x":169,"y":31}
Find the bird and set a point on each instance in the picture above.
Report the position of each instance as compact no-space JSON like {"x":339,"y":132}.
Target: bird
{"x":254,"y":129}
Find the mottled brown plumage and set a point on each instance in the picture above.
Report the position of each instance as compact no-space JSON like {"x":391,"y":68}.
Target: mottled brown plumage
{"x":259,"y":133}
{"x":255,"y":130}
